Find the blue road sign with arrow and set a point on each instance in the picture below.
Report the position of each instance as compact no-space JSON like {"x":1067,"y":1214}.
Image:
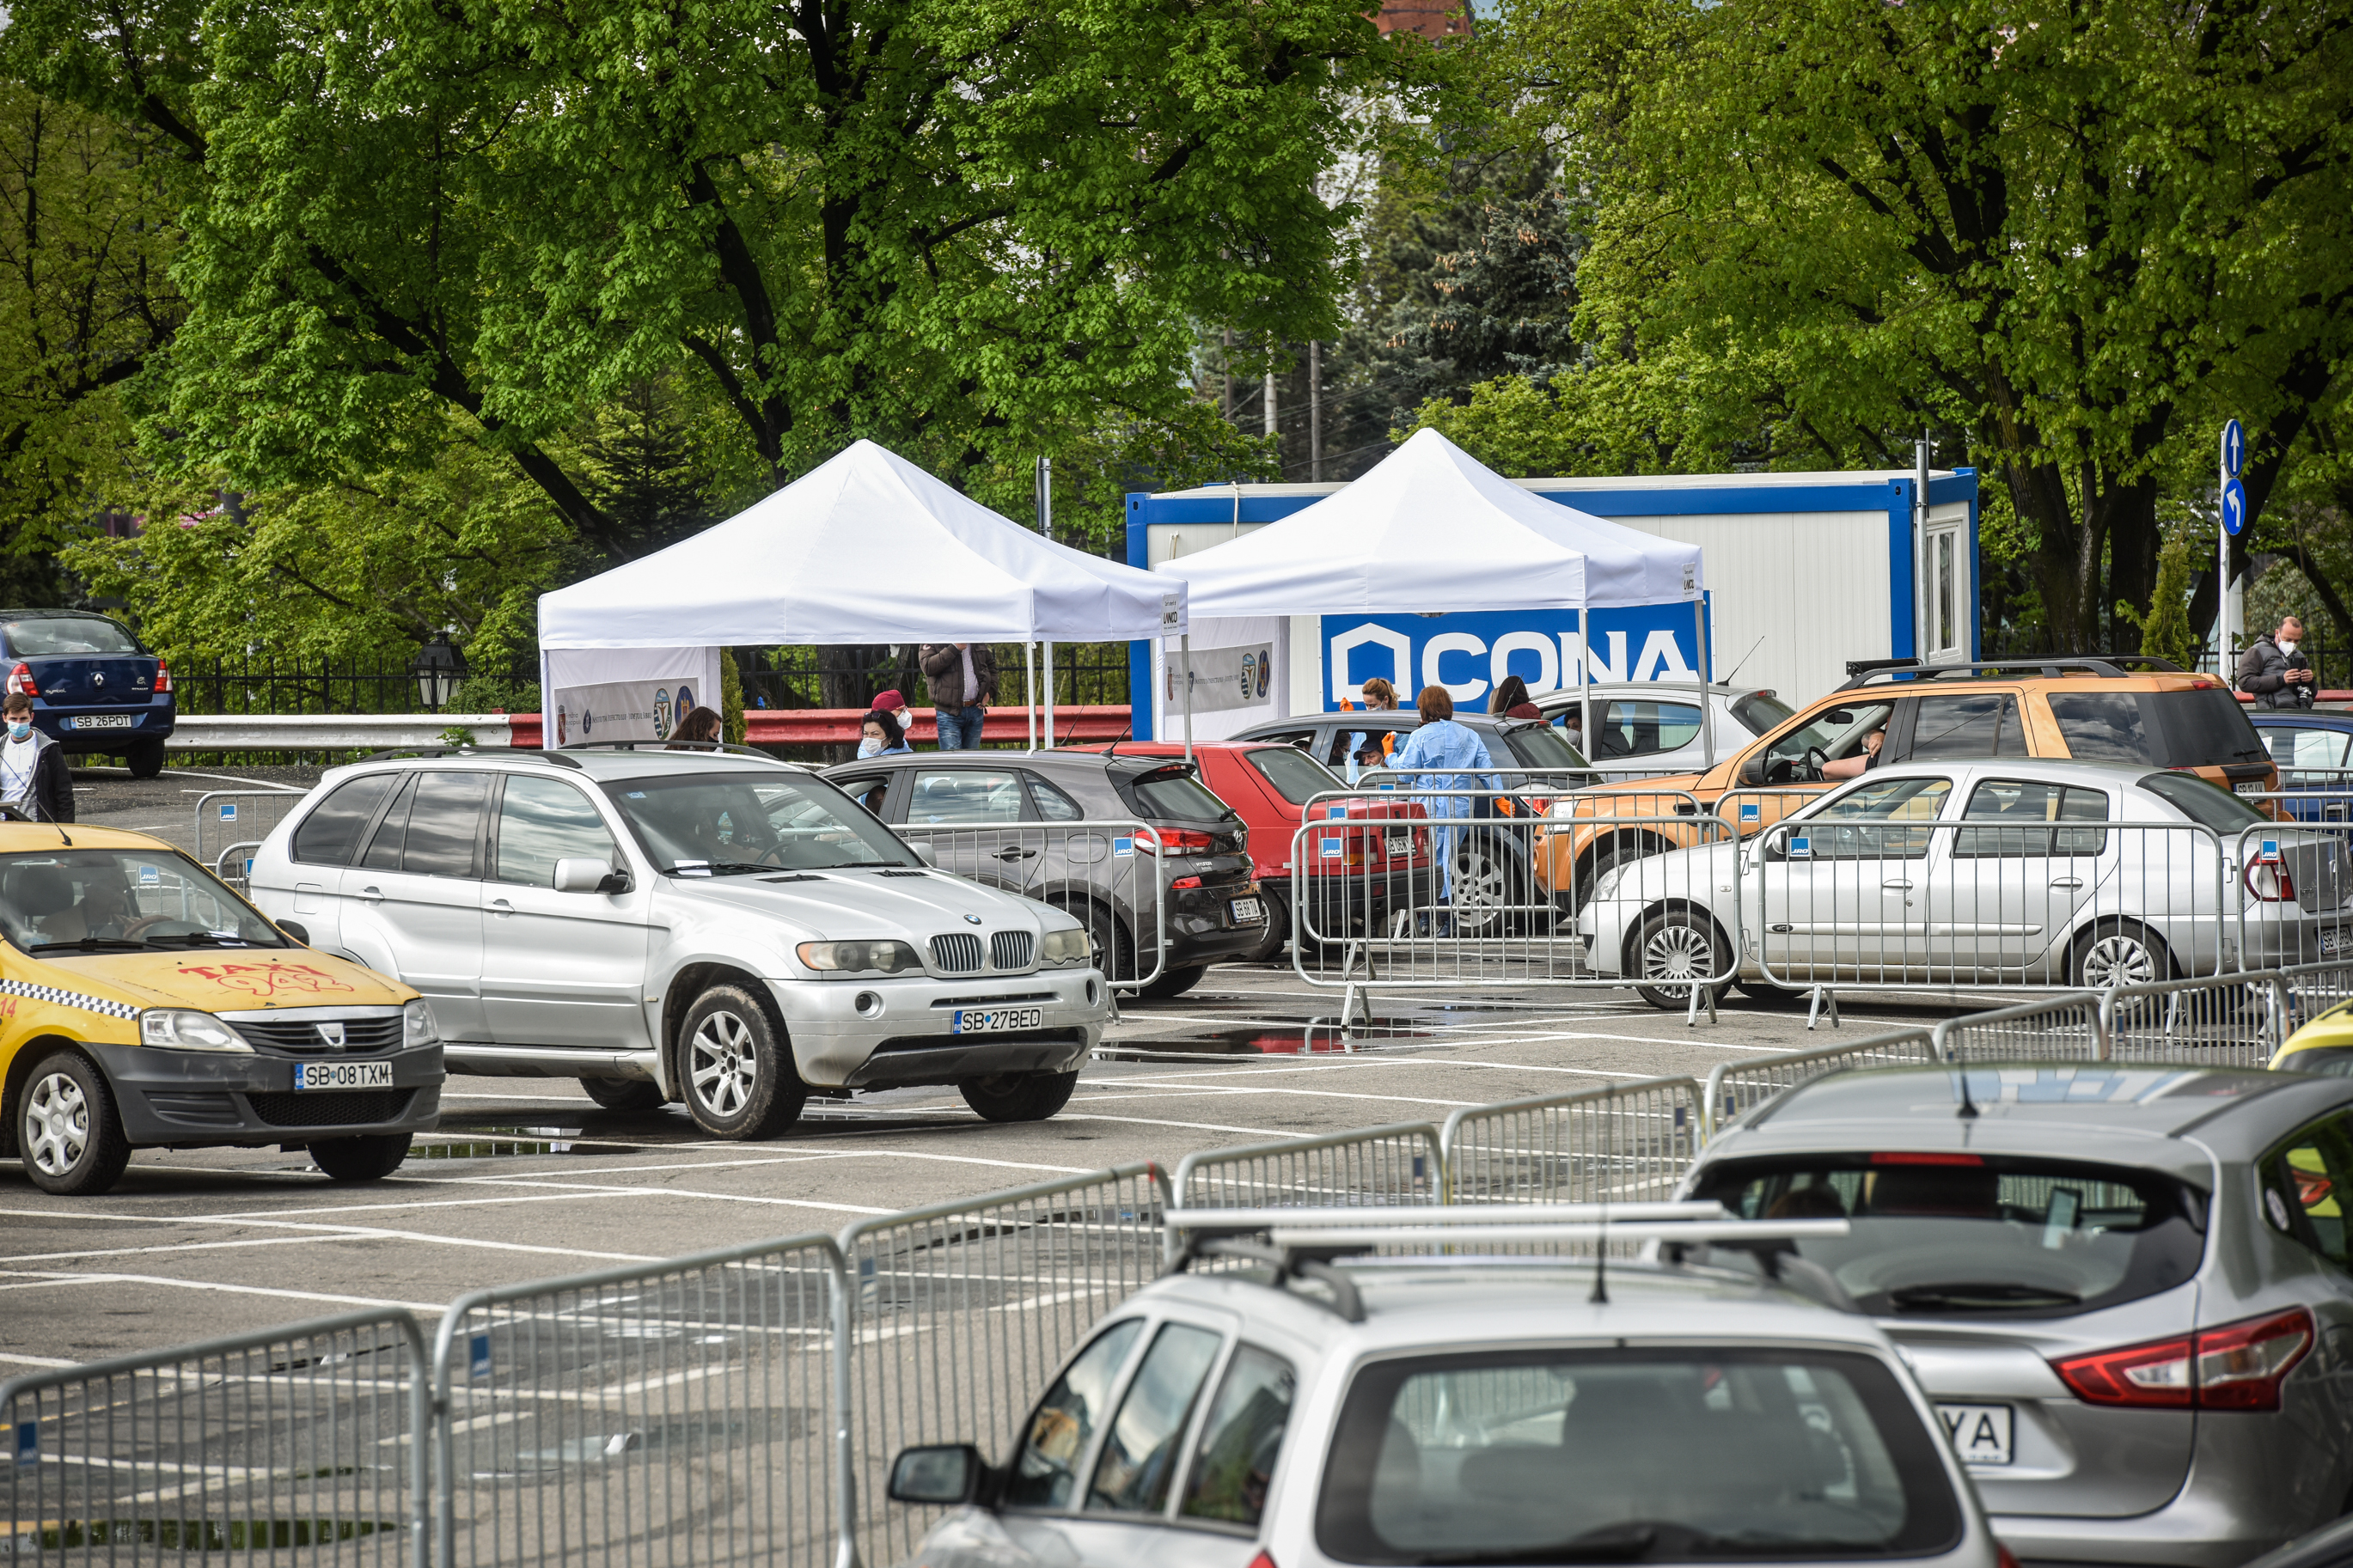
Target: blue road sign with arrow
{"x":2234,"y":449}
{"x":2234,"y":508}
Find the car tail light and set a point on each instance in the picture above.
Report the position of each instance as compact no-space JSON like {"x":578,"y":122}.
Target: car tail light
{"x":162,"y":676}
{"x":1266,"y":1559}
{"x":2235,"y":1367}
{"x":1184,"y":883}
{"x":2269,"y":881}
{"x":1175,"y":841}
{"x":2003,"y":1557}
{"x":1540,"y":805}
{"x":1908,"y":1158}
{"x":21,"y":679}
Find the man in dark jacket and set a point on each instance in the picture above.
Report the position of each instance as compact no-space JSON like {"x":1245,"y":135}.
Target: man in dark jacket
{"x":34,"y":775}
{"x":963,"y":678}
{"x":2274,"y":670}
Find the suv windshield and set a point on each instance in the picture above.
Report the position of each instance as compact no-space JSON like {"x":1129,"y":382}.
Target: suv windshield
{"x":66,"y":634}
{"x":1836,"y":732}
{"x":122,"y":900}
{"x":1296,"y":776}
{"x":1669,"y":1454}
{"x":1948,"y":1234}
{"x":738,"y":822}
{"x":2203,"y":802}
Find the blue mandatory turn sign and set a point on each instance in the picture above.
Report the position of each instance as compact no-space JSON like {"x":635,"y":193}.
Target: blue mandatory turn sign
{"x":2234,"y":508}
{"x":2234,"y":449}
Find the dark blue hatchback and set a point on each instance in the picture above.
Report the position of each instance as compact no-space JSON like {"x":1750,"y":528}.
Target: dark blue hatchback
{"x":2311,"y":747}
{"x":94,"y":687}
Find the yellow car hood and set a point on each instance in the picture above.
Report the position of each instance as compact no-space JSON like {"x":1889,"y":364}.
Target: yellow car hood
{"x":233,"y":980}
{"x":2332,"y":1030}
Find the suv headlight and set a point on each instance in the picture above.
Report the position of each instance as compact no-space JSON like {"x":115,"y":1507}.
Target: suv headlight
{"x":860,"y":957}
{"x":170,"y":1029}
{"x":1065,"y":947}
{"x":416,"y":1026}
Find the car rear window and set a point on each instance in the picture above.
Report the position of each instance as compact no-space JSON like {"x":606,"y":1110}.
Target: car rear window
{"x":1679,"y":1454}
{"x":1296,"y":776}
{"x":2201,"y":727}
{"x":2205,"y":801}
{"x":1957,"y":1234}
{"x":1174,"y":794}
{"x":1760,"y":712}
{"x":2103,"y":726}
{"x":330,"y":833}
{"x":1539,"y":745}
{"x":67,"y":635}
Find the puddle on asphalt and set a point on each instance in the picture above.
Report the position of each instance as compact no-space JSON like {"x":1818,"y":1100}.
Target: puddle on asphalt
{"x":1313,"y":1039}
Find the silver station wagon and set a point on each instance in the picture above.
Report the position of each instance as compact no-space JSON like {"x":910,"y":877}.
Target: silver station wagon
{"x":716,"y":928}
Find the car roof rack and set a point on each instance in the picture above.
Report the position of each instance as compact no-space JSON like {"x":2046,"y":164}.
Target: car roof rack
{"x":2107,"y":666}
{"x":1303,"y":1243}
{"x":479,"y":753}
{"x":713,"y":747}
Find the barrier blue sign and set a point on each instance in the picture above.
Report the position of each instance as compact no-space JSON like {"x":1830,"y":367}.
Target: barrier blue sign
{"x":2234,"y":508}
{"x":28,"y":1442}
{"x":1470,"y":652}
{"x":228,"y":811}
{"x":478,"y":1358}
{"x":2234,"y":449}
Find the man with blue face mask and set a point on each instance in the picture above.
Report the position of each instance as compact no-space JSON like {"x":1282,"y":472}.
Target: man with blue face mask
{"x":34,"y":775}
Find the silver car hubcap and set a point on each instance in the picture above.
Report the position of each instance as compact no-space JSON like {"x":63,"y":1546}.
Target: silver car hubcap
{"x":1478,"y":889}
{"x":2118,"y":960}
{"x":725,"y":1063}
{"x":1677,"y":953}
{"x":57,"y":1124}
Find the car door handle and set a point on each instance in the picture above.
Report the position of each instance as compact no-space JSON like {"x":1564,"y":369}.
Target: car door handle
{"x":1897,"y":887}
{"x":371,"y":893}
{"x":1014,"y":854}
{"x":2066,"y":881}
{"x":501,"y":907}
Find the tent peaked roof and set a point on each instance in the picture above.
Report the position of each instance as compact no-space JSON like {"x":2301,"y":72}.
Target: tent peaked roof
{"x":865,"y":548}
{"x":1432,"y":530}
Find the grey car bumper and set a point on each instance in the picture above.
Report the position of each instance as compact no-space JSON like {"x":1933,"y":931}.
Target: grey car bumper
{"x":867,"y":1033}
{"x":195,"y":1098}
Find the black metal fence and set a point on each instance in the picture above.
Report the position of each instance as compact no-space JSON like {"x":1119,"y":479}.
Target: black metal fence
{"x":382,"y":684}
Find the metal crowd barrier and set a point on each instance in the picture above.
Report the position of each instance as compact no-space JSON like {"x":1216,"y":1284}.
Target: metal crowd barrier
{"x":1735,"y":1089}
{"x":1112,"y":876}
{"x":2066,"y":1026}
{"x":1628,"y":1143}
{"x":958,"y":1314}
{"x":1402,"y":1162}
{"x":300,"y":1443}
{"x":239,"y":819}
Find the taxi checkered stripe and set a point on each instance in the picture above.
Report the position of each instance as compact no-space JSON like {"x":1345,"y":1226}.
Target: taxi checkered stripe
{"x":65,"y":998}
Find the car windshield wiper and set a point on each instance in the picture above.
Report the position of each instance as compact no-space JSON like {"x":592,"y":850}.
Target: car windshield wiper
{"x":1965,"y":1296}
{"x":211,"y":939}
{"x":93,"y":944}
{"x":714,"y":868}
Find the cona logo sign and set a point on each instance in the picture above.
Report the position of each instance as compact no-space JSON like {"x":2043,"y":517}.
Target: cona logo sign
{"x":1471,"y":652}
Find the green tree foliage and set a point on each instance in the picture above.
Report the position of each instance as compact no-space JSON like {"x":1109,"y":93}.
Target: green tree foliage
{"x":2165,"y":629}
{"x":965,"y":229}
{"x":2075,"y":236}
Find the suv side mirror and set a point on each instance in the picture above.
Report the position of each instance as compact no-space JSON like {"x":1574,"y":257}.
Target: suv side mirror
{"x":923,"y":850}
{"x":297,"y":930}
{"x":581,"y":874}
{"x":941,"y":1473}
{"x":1752,"y":771}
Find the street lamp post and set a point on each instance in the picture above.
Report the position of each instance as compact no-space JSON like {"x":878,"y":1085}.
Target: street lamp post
{"x":439,"y":668}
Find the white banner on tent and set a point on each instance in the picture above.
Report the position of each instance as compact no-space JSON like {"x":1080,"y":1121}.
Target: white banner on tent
{"x":1241,"y":675}
{"x":623,"y":693}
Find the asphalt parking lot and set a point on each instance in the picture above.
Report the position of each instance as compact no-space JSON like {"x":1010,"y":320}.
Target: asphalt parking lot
{"x":528,"y":1178}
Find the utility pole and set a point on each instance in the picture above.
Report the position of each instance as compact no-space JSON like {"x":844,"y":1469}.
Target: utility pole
{"x":1315,"y":410}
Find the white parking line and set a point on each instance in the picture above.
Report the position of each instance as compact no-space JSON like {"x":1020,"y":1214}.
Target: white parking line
{"x":371,"y":1233}
{"x":213,"y":1286}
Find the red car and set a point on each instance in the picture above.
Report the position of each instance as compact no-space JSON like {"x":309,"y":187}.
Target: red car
{"x":1355,"y":876}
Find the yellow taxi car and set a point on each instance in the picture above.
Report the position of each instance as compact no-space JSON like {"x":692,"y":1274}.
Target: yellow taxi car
{"x":143,"y":1004}
{"x":2325,"y":1045}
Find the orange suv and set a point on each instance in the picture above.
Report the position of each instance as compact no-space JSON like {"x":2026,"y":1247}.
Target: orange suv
{"x":2092,"y":710}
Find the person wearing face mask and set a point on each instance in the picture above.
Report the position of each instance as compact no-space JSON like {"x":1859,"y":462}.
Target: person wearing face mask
{"x":2276,"y":671}
{"x":881,"y":734}
{"x":34,"y":775}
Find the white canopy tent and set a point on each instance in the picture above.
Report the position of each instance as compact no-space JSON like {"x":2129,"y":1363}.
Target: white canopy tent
{"x":1432,"y":529}
{"x":865,"y":548}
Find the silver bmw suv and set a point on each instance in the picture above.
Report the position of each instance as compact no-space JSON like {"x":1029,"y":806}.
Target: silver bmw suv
{"x":721,"y":928}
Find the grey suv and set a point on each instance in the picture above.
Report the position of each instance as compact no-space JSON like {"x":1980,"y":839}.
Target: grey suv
{"x":725,"y":929}
{"x":2128,"y":1288}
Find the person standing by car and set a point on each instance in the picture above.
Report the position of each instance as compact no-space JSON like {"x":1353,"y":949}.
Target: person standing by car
{"x":962,"y":678}
{"x":2275,"y":671}
{"x":1510,"y":700}
{"x":33,"y":776}
{"x":1451,"y":757}
{"x":1371,"y":747}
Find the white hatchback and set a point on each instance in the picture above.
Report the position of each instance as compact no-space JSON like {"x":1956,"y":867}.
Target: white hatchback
{"x":724,"y":930}
{"x":1445,"y":1409}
